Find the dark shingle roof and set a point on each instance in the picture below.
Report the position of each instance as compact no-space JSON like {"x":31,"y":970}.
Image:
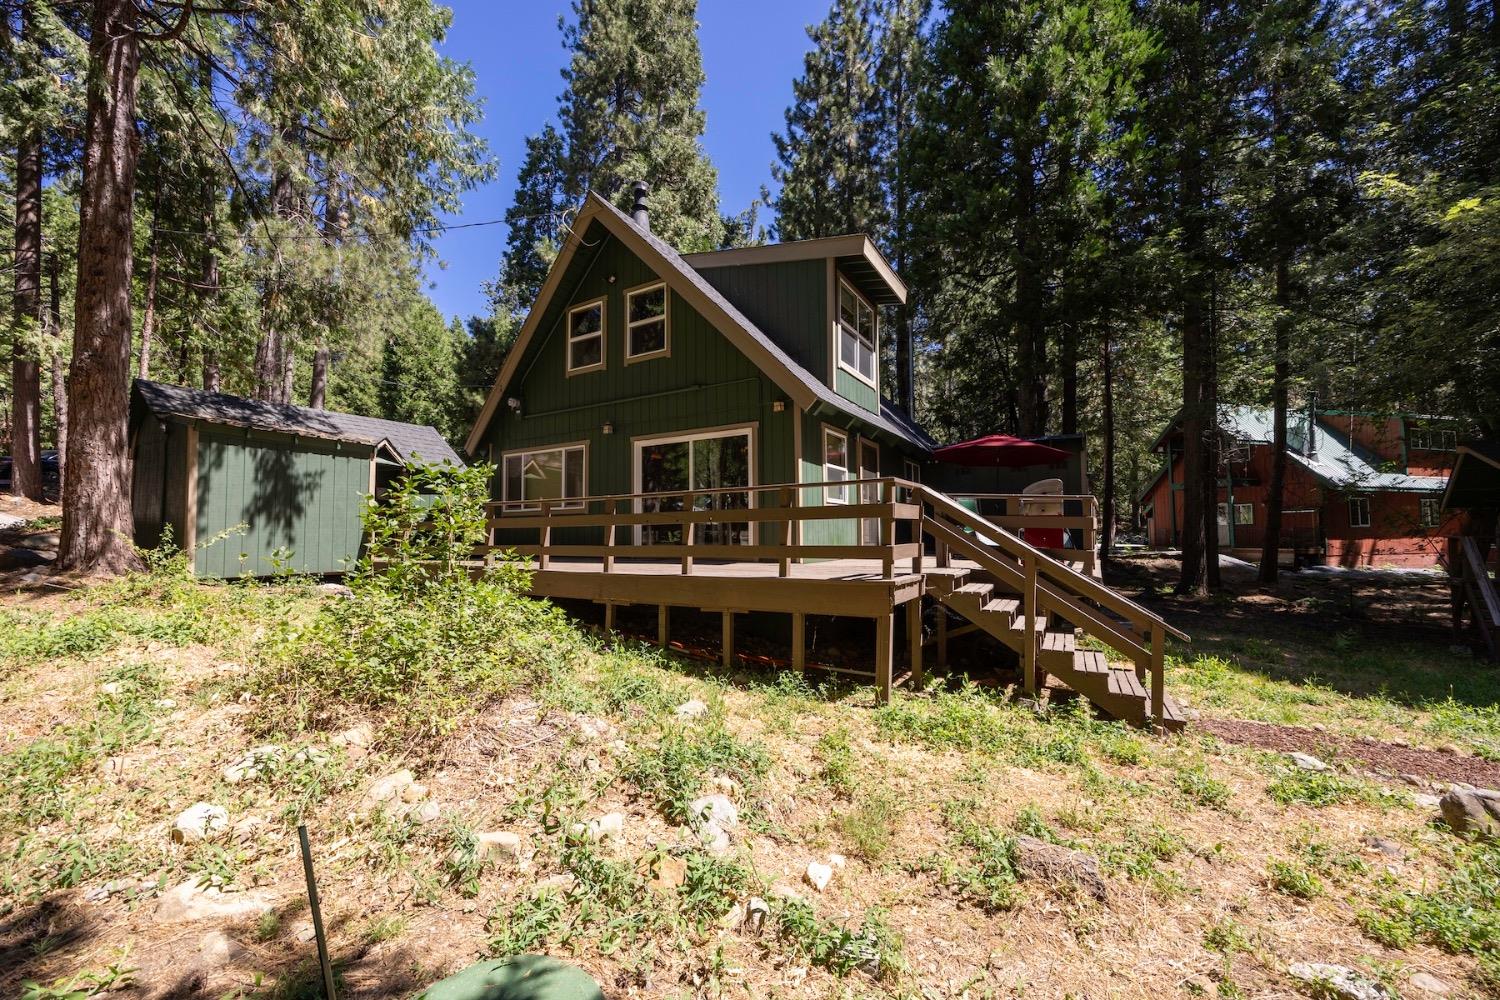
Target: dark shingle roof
{"x":411,"y":442}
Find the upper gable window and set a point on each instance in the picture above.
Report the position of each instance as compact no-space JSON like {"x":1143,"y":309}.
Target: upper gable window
{"x":1431,"y":439}
{"x":646,"y":333}
{"x":586,"y":337}
{"x":857,"y":334}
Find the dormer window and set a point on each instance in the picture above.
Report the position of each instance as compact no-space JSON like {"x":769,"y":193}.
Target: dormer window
{"x":857,"y":335}
{"x":586,"y":337}
{"x":646,"y":334}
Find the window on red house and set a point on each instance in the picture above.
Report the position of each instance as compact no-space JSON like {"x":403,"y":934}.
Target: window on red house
{"x":1431,"y":511}
{"x":1359,"y":512}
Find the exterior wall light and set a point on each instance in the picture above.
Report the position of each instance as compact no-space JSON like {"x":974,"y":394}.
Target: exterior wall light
{"x":608,"y":428}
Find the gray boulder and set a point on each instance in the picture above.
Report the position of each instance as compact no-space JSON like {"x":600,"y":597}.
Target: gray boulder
{"x":1037,"y":859}
{"x":1339,"y":982}
{"x":1475,"y":811}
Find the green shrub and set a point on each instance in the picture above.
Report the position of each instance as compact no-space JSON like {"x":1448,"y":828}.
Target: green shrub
{"x":711,"y":888}
{"x":837,"y":757}
{"x":1197,"y":784}
{"x":840,"y":950}
{"x":869,"y":827}
{"x":675,"y":771}
{"x":420,"y":638}
{"x":1460,"y":914}
{"x":1294,"y":879}
{"x":1323,"y":788}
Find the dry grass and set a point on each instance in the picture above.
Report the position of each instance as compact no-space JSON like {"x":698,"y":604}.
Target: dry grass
{"x":1197,"y":853}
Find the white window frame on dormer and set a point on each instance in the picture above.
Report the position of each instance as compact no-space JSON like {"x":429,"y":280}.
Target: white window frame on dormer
{"x":873,"y":379}
{"x":602,"y":304}
{"x":666,"y":322}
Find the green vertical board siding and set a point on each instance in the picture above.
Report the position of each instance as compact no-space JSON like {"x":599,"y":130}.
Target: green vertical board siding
{"x":787,"y":301}
{"x":855,"y":391}
{"x":299,"y":500}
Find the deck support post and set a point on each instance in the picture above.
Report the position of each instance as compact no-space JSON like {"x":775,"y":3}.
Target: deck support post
{"x":884,"y":650}
{"x":914,"y":640}
{"x":728,"y":639}
{"x":799,"y":641}
{"x":663,"y":619}
{"x":942,"y":636}
{"x":609,"y":617}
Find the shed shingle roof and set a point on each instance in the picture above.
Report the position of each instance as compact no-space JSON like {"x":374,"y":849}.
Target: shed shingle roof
{"x":411,"y":442}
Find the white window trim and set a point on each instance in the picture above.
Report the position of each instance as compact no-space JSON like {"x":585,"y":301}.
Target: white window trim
{"x":729,"y":430}
{"x":1369,"y":518}
{"x":603,"y":335}
{"x":1433,"y":503}
{"x":828,"y":496}
{"x":911,"y":471}
{"x":666,"y":318}
{"x":1244,"y":524}
{"x":838,"y":351}
{"x":512,"y":507}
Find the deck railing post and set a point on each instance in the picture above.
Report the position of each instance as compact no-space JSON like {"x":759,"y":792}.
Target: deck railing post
{"x":789,"y":501}
{"x":887,"y":529}
{"x":1029,"y":649}
{"x":1158,"y":676}
{"x":546,"y":535}
{"x":688,"y":535}
{"x":612,"y":509}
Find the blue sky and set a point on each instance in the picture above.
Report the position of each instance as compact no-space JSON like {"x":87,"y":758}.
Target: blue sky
{"x":751,"y":53}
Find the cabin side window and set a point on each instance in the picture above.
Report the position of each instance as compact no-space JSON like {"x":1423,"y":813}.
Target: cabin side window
{"x":1431,"y":511}
{"x":1431,"y":439}
{"x":1359,"y":512}
{"x":835,"y":465}
{"x":858,"y":335}
{"x":586,"y":337}
{"x":646,"y":333}
{"x":552,"y":474}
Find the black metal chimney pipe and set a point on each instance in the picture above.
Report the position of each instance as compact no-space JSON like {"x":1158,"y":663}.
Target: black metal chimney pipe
{"x":638,"y":211}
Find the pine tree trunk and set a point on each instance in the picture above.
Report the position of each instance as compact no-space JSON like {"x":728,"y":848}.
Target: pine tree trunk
{"x":1197,"y":415}
{"x":271,"y":355}
{"x":1270,"y":554}
{"x":1107,"y":508}
{"x":148,"y":312}
{"x":1031,"y":353}
{"x":59,"y":380}
{"x":316,"y":397}
{"x":1212,"y":452}
{"x":212,"y":377}
{"x":1069,"y":364}
{"x":26,"y":386}
{"x":96,"y":527}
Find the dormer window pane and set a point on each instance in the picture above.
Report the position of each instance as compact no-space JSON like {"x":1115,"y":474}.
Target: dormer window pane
{"x":646,"y":322}
{"x":858,"y":334}
{"x":586,"y":337}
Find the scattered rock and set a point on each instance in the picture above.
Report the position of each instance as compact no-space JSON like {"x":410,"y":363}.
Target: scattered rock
{"x":757,"y":912}
{"x":215,"y":948}
{"x":425,"y":812}
{"x":671,"y":872}
{"x":110,"y":688}
{"x":1426,"y":800}
{"x":200,"y":821}
{"x":311,"y":755}
{"x":692,"y":709}
{"x":1385,"y":846}
{"x":818,"y":875}
{"x":1201,"y":985}
{"x":591,"y":729}
{"x":129,"y":888}
{"x":836,"y":861}
{"x":355,"y":736}
{"x":246,"y":830}
{"x":1428,"y":983}
{"x":501,"y":845}
{"x":164,"y":703}
{"x":188,"y":901}
{"x":610,"y":826}
{"x":1475,"y":811}
{"x":335,"y":590}
{"x":255,"y":762}
{"x":1339,"y":981}
{"x":1307,"y":761}
{"x":733,"y":917}
{"x":398,"y":787}
{"x":1037,"y":859}
{"x":716,"y":809}
{"x":784,"y":891}
{"x":726,"y":785}
{"x":304,"y":931}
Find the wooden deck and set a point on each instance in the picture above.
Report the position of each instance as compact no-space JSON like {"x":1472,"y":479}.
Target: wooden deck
{"x":946,"y":552}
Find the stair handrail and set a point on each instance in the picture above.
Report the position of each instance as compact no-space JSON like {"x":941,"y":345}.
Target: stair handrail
{"x":1052,"y":569}
{"x":1480,"y":574}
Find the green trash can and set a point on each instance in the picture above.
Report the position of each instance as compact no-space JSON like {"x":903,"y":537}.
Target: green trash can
{"x":520,"y":977}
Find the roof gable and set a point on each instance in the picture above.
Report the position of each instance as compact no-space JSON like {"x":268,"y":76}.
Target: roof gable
{"x":798,"y":383}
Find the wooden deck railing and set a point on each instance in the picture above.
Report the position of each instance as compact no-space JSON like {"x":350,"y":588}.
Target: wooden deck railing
{"x":1019,"y":512}
{"x":777,"y":511}
{"x":1052,"y":587}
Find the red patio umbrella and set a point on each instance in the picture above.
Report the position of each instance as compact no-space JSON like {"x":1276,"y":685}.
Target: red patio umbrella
{"x":1001,"y":451}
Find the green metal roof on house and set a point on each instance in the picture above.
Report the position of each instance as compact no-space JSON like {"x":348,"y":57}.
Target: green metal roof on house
{"x":410,"y":443}
{"x":1331,"y":457}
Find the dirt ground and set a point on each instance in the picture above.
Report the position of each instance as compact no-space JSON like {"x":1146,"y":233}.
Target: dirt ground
{"x":1187,"y":829}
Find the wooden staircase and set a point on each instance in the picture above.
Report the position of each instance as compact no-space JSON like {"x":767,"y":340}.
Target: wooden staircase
{"x":1039,"y":607}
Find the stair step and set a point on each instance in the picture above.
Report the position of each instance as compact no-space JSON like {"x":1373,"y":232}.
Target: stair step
{"x":1019,"y":625}
{"x":979,"y":591}
{"x":1002,"y":606}
{"x":1059,"y":642}
{"x":1125,"y":684}
{"x":1090,"y":661}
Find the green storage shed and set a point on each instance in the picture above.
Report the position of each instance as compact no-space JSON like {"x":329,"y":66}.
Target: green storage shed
{"x":294,"y":477}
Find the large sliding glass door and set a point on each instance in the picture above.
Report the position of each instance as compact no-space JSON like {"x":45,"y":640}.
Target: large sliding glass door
{"x":711,"y":464}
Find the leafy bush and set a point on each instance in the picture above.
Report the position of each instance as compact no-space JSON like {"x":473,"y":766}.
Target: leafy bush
{"x":676,"y":770}
{"x":420,"y":638}
{"x":841,"y":950}
{"x":1460,"y":914}
{"x":1295,"y":879}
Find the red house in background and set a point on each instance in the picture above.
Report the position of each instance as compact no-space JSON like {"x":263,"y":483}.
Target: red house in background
{"x":1361,"y":489}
